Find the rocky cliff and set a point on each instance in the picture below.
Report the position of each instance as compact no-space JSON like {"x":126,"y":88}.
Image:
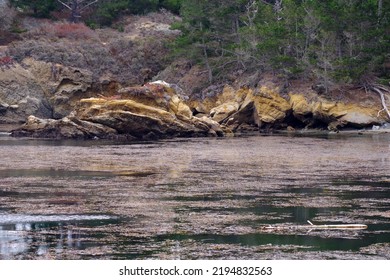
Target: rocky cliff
{"x":56,"y":101}
{"x":147,"y":112}
{"x":45,"y":90}
{"x":264,"y":108}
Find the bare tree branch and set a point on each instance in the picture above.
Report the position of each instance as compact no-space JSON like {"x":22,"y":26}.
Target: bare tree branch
{"x":76,"y":7}
{"x":382,"y":100}
{"x":86,"y":6}
{"x":66,"y":5}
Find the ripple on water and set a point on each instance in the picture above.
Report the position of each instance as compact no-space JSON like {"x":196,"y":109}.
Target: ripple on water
{"x":193,"y":198}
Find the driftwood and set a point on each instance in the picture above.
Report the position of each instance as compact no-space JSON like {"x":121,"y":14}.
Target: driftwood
{"x":381,"y":94}
{"x":372,"y":85}
{"x":311,"y":226}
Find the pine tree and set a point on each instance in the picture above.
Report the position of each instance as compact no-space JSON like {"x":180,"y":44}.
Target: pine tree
{"x":331,"y":41}
{"x":39,"y":8}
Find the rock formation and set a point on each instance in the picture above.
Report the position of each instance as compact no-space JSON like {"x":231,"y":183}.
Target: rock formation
{"x":149,"y":112}
{"x":60,"y":102}
{"x":45,"y":90}
{"x":265,"y":108}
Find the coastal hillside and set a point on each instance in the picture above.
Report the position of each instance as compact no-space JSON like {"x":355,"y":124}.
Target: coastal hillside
{"x":242,"y":65}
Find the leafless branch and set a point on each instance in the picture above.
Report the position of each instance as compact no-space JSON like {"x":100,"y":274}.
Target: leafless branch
{"x":86,"y":6}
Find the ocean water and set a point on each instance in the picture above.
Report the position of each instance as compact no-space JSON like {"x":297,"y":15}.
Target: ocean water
{"x":202,"y":198}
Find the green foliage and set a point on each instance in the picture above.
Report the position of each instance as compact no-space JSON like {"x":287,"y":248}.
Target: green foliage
{"x":142,"y":6}
{"x":103,"y":13}
{"x":171,"y":5}
{"x":335,"y":40}
{"x":38,"y":8}
{"x":108,"y":10}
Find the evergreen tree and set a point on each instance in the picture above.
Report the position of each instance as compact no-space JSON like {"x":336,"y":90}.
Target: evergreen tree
{"x":331,"y":41}
{"x":39,"y":8}
{"x":109,"y":10}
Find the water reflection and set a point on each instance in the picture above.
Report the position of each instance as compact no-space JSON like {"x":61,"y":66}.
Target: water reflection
{"x":19,"y":240}
{"x":47,"y":236}
{"x":194,"y":198}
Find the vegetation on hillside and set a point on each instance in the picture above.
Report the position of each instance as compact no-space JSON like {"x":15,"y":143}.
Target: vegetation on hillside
{"x":94,"y":12}
{"x":328,"y":42}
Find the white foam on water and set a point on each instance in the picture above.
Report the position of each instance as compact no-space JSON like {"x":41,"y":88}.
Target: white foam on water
{"x":20,"y":218}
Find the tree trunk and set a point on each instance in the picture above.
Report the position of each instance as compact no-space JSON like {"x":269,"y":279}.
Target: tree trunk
{"x":75,"y":13}
{"x":76,"y":7}
{"x":380,"y":8}
{"x":378,"y":90}
{"x":210,"y":72}
{"x":206,"y":57}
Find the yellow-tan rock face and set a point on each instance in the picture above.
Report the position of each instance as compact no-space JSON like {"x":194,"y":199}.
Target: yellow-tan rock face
{"x":300,"y":106}
{"x":338,"y":115}
{"x":265,"y":108}
{"x":261,"y":107}
{"x":157,"y":111}
{"x":269,"y":107}
{"x":136,"y":113}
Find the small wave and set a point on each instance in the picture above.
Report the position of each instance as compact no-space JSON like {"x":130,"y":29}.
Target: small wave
{"x":19,"y":218}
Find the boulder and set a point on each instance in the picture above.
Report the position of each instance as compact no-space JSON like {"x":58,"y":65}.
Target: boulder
{"x":223,"y":111}
{"x":179,"y":108}
{"x":213,"y":126}
{"x":262,"y":108}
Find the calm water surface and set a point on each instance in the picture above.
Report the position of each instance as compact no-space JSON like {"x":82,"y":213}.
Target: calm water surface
{"x":195,"y":198}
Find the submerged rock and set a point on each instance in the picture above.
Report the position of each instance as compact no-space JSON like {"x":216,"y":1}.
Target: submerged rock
{"x":65,"y":128}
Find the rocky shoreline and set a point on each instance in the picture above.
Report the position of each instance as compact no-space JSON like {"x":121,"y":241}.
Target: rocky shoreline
{"x":61,"y":102}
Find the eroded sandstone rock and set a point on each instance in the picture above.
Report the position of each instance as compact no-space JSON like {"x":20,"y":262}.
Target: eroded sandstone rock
{"x":156,"y":110}
{"x":269,"y":107}
{"x":63,"y":86}
{"x":301,"y":108}
{"x":43,"y":89}
{"x":21,"y":95}
{"x":265,"y":108}
{"x":339,"y":115}
{"x":135,"y":113}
